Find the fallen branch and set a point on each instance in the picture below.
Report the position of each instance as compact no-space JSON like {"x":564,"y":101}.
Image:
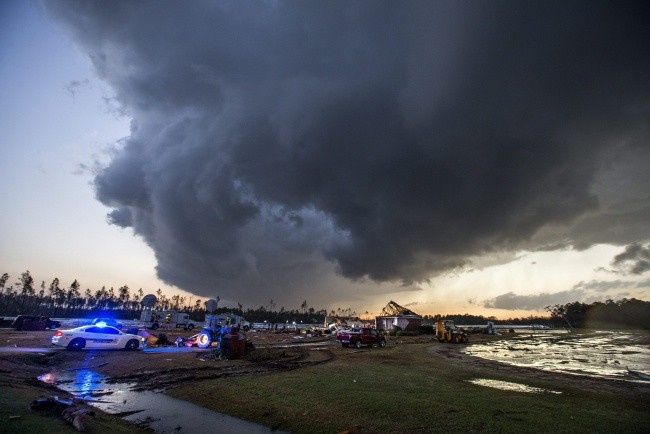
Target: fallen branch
{"x":65,"y":408}
{"x":75,"y":416}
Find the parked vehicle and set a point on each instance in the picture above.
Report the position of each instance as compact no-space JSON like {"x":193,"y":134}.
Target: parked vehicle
{"x":97,"y":337}
{"x":208,"y":336}
{"x":34,"y":322}
{"x":358,"y":337}
{"x":229,"y":341}
{"x":227,"y":319}
{"x":446,"y":331}
{"x":167,"y":318}
{"x":106,"y":322}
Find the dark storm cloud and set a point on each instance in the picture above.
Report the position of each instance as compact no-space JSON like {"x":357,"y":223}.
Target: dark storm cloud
{"x":643,"y":284}
{"x":602,"y":286}
{"x":393,"y":140}
{"x":512,"y":301}
{"x":634,"y":260}
{"x":587,"y":292}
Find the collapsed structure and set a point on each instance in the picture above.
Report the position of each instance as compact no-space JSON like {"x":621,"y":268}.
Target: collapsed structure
{"x":394,"y":315}
{"x":342,"y":322}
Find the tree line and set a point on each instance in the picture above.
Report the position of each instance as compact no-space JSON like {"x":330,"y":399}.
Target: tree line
{"x":625,"y":313}
{"x":57,"y":301}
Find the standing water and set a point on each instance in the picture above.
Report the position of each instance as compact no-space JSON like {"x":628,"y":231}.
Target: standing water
{"x":157,"y":411}
{"x":620,"y":355}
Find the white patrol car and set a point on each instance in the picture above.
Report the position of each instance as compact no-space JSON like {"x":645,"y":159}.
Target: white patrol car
{"x":96,"y":337}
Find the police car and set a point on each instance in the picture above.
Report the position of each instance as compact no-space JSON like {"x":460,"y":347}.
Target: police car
{"x":97,"y":337}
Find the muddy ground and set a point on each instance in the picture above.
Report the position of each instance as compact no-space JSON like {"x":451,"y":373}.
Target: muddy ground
{"x":169,"y":366}
{"x":161,"y":366}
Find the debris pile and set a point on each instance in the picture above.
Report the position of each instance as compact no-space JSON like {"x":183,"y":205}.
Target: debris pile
{"x":396,"y":317}
{"x":394,"y":309}
{"x":65,"y":408}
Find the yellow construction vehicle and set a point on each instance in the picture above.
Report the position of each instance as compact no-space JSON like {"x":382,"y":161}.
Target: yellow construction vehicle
{"x":446,"y":331}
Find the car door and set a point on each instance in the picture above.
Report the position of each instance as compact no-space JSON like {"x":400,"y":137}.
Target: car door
{"x":111,"y":337}
{"x":100,"y":337}
{"x":92,"y":336}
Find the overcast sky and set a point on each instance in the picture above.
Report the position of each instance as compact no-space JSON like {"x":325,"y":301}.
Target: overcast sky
{"x":480,"y":157}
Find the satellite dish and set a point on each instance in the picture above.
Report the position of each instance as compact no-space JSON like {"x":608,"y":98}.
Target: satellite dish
{"x":211,"y":305}
{"x":148,"y":300}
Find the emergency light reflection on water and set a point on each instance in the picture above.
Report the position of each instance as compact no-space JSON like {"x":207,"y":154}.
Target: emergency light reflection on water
{"x":159,"y":412}
{"x":82,"y":383}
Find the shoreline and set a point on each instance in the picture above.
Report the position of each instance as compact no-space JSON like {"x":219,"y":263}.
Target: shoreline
{"x":572,"y":380}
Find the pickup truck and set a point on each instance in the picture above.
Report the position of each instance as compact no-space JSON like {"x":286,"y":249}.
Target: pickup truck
{"x":34,"y":322}
{"x":359,"y":337}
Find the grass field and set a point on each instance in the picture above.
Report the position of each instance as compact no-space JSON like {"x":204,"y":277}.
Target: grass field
{"x":412,"y":386}
{"x":408,"y":389}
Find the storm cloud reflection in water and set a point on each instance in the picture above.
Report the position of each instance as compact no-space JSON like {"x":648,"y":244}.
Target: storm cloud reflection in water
{"x":604,"y":354}
{"x":160,"y":412}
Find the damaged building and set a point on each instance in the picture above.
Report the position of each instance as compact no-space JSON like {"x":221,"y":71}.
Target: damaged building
{"x":335,"y":322}
{"x":394,"y":315}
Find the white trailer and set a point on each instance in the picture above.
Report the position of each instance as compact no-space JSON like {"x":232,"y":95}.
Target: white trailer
{"x":167,"y":319}
{"x":225,"y":320}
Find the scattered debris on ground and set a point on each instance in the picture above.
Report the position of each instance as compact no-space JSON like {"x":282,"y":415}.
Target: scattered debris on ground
{"x":65,"y":408}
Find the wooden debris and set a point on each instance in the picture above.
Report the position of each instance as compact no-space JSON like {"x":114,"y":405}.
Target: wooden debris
{"x":75,"y":416}
{"x":65,"y":408}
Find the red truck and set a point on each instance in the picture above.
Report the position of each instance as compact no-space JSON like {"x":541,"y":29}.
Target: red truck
{"x":358,"y":337}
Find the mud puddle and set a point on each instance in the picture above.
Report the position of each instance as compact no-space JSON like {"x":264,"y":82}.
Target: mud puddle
{"x":160,"y":412}
{"x":511,"y":387}
{"x":616,"y":355}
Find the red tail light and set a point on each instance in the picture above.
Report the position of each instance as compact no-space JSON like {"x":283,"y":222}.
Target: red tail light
{"x":58,"y":333}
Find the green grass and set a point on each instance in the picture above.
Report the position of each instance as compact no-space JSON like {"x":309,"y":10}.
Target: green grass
{"x":406,"y":389}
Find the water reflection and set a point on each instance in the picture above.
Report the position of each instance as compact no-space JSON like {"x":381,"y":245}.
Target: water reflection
{"x":161,"y":413}
{"x":82,"y":383}
{"x":511,"y":387}
{"x":602,"y":354}
{"x":49,"y":378}
{"x":87,"y":382}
